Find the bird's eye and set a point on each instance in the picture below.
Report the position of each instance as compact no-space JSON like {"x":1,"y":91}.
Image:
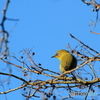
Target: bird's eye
{"x":58,"y":54}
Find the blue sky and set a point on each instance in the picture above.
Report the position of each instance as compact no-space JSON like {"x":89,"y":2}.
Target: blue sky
{"x":44,"y":26}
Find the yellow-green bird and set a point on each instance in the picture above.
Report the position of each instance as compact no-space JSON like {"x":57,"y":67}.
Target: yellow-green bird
{"x":67,"y":60}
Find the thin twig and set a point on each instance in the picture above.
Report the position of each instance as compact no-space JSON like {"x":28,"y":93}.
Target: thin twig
{"x":14,"y":76}
{"x":83,"y":43}
{"x":11,"y":90}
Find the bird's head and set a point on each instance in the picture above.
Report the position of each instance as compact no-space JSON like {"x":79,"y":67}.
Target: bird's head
{"x":59,"y":54}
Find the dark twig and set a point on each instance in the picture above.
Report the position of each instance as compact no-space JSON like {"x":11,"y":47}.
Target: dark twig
{"x":83,"y":43}
{"x":4,"y":39}
{"x":14,"y":76}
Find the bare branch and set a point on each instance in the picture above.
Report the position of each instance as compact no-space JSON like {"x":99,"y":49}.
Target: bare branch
{"x":13,"y":89}
{"x":27,"y":69}
{"x":94,"y":32}
{"x":14,"y":76}
{"x":5,"y":34}
{"x":83,"y":43}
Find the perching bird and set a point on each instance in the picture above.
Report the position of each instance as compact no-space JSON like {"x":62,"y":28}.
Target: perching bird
{"x":67,"y":60}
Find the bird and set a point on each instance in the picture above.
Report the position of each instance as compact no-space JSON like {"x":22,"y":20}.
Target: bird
{"x":67,"y":60}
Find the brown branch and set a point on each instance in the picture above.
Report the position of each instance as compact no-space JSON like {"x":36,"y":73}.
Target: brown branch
{"x":51,"y":81}
{"x":65,"y":81}
{"x":14,"y":76}
{"x":92,"y":2}
{"x":5,"y":34}
{"x":94,"y":58}
{"x":37,"y":72}
{"x":83,"y":43}
{"x":11,"y":90}
{"x":94,"y":32}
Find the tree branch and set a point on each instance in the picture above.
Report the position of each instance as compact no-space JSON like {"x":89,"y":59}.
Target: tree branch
{"x":14,"y":76}
{"x":83,"y":43}
{"x":13,"y":89}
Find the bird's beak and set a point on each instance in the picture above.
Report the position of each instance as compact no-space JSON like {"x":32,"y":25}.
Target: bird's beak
{"x":53,"y":56}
